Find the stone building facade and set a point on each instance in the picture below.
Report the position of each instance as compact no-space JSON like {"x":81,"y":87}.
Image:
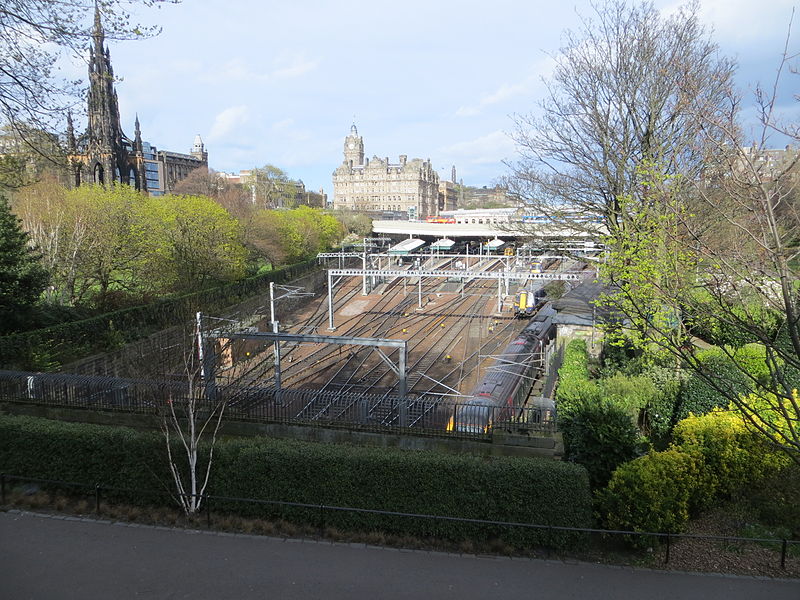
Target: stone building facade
{"x":377,"y":185}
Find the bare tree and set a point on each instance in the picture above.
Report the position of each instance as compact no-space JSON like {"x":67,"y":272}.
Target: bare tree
{"x":624,"y":92}
{"x":207,"y":182}
{"x":34,"y":36}
{"x":718,"y":256}
{"x":190,"y":417}
{"x":272,"y":188}
{"x":641,"y":126}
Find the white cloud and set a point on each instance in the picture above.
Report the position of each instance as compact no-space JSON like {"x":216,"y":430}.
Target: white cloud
{"x":467,"y":111}
{"x":742,"y":21}
{"x":283,"y":124}
{"x":507,"y":91}
{"x":490,"y":148}
{"x":228,"y":120}
{"x":234,"y":70}
{"x":289,"y":67}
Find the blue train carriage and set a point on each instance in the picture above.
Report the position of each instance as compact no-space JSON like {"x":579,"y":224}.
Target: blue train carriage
{"x":505,"y":387}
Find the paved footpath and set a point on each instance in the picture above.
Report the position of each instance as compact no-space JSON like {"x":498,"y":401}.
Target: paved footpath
{"x":47,"y":557}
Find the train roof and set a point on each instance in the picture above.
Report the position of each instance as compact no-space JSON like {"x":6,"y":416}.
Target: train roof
{"x":579,"y":305}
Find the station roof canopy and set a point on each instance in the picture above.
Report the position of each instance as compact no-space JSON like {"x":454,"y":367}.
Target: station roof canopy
{"x":495,"y":244}
{"x":442,"y":244}
{"x":406,"y":247}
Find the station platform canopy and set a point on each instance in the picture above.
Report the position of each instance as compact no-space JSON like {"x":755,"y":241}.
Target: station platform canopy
{"x":442,"y":244}
{"x":495,"y":244}
{"x":406,"y":247}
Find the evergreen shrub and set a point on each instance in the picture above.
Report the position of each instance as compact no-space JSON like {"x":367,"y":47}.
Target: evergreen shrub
{"x":536,"y":491}
{"x":652,"y":493}
{"x":573,"y":378}
{"x":713,"y":458}
{"x":738,"y":376}
{"x":600,"y":436}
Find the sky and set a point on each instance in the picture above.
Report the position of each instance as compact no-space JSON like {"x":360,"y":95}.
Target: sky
{"x":280,"y":83}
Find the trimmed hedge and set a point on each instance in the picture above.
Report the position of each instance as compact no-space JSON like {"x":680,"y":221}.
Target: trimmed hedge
{"x":47,"y":349}
{"x":536,"y":491}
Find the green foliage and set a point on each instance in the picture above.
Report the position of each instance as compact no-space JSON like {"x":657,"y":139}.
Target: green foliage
{"x":505,"y":489}
{"x":43,"y":349}
{"x":629,"y":393}
{"x":287,"y":236}
{"x":713,"y":458}
{"x":600,"y":436}
{"x":652,"y":493}
{"x":573,"y":378}
{"x":271,"y":187}
{"x":114,"y":246}
{"x":194,"y":242}
{"x":22,"y":277}
{"x":738,"y":374}
{"x":89,"y":454}
{"x":660,"y":408}
{"x":723,"y":325}
{"x":732,"y":456}
{"x":776,"y":500}
{"x":355,"y":223}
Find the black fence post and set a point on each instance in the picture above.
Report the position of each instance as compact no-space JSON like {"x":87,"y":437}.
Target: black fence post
{"x":321,"y":520}
{"x":208,"y":511}
{"x":783,"y":554}
{"x":2,"y":488}
{"x":666,"y":556}
{"x":97,"y":498}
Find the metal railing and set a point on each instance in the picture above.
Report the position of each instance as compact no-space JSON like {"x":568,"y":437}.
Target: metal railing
{"x":100,"y":492}
{"x":428,"y":414}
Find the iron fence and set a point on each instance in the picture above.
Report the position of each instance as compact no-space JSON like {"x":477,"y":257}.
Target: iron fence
{"x":428,"y":414}
{"x":785,"y":549}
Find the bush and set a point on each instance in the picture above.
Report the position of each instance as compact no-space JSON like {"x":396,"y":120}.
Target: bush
{"x":714,"y":457}
{"x":537,"y":491}
{"x":661,"y":407}
{"x":88,"y":454}
{"x":629,"y":394}
{"x":732,"y":456}
{"x":652,"y":493}
{"x":738,"y":376}
{"x":573,"y":378}
{"x":600,"y":436}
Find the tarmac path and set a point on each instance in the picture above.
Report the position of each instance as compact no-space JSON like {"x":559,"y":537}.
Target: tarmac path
{"x":56,"y":557}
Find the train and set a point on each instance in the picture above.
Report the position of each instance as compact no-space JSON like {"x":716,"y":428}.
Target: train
{"x":528,"y":302}
{"x":436,"y":219}
{"x":500,"y":395}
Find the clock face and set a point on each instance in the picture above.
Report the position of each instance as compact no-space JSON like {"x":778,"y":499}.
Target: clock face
{"x":351,"y":145}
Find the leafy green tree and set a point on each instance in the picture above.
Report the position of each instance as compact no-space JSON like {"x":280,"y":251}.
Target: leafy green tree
{"x":599,"y":435}
{"x":194,"y":242}
{"x":287,"y":236}
{"x":108,"y":245}
{"x":355,"y":222}
{"x":22,"y":277}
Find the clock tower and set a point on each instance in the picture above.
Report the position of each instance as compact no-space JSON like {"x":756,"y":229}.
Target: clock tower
{"x":354,"y":148}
